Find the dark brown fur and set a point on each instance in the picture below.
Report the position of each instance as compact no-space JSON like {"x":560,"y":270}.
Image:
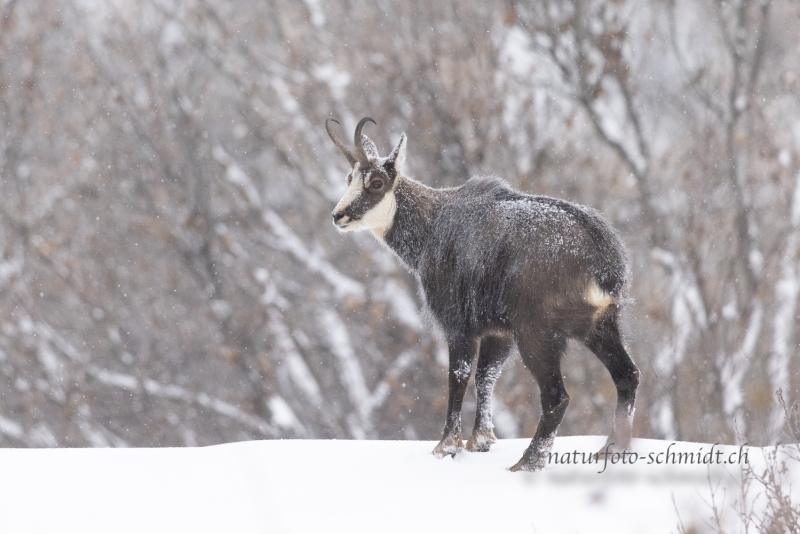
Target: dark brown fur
{"x":499,"y":267}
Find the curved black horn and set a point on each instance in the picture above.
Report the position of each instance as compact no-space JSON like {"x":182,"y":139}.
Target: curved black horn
{"x":358,"y":142}
{"x":351,"y":158}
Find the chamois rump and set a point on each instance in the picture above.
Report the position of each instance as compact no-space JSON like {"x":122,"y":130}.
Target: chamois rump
{"x":499,"y":267}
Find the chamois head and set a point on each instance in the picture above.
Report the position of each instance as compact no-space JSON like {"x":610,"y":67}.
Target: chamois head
{"x":369,"y":203}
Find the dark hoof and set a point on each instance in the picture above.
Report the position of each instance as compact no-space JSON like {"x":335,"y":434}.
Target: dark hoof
{"x":449,"y":446}
{"x":527,"y":465}
{"x":481,"y":441}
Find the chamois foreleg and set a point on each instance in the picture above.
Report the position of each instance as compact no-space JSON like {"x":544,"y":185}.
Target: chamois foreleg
{"x":492,"y":356}
{"x":462,"y":353}
{"x":541,"y":351}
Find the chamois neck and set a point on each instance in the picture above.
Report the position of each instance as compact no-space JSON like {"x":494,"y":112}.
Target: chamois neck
{"x":417,"y":208}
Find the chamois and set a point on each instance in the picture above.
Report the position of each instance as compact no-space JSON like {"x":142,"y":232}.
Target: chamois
{"x":499,"y":267}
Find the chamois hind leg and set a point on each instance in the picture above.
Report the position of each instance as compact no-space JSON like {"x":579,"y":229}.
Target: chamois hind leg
{"x":541,"y":351}
{"x":462,"y":352}
{"x":492,"y":355}
{"x":605,"y":341}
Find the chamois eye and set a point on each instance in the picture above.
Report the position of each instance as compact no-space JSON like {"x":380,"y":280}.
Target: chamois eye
{"x":377,"y":184}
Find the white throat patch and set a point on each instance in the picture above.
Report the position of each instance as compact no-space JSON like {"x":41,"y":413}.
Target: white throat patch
{"x":379,"y":219}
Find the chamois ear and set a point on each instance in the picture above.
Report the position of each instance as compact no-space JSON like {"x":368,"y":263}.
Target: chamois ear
{"x":397,"y":159}
{"x":369,"y":147}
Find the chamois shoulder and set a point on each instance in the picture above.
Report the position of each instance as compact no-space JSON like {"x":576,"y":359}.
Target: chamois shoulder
{"x":533,"y":223}
{"x":495,"y":194}
{"x":485,"y":186}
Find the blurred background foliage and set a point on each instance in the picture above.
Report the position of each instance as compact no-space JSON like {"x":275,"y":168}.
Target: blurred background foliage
{"x":169,"y":273}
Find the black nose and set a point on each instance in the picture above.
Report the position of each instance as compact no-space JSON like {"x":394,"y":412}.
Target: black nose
{"x":338,"y":216}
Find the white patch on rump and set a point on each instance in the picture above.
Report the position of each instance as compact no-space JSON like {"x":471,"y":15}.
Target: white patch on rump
{"x":598,"y":298}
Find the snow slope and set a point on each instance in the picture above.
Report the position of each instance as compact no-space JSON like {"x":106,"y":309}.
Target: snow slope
{"x":349,"y":486}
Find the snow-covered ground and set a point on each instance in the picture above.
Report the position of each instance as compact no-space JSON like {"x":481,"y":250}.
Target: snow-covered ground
{"x":356,"y":486}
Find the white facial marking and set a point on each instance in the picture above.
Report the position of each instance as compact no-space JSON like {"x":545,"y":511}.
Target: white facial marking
{"x":378,"y":219}
{"x":353,"y":190}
